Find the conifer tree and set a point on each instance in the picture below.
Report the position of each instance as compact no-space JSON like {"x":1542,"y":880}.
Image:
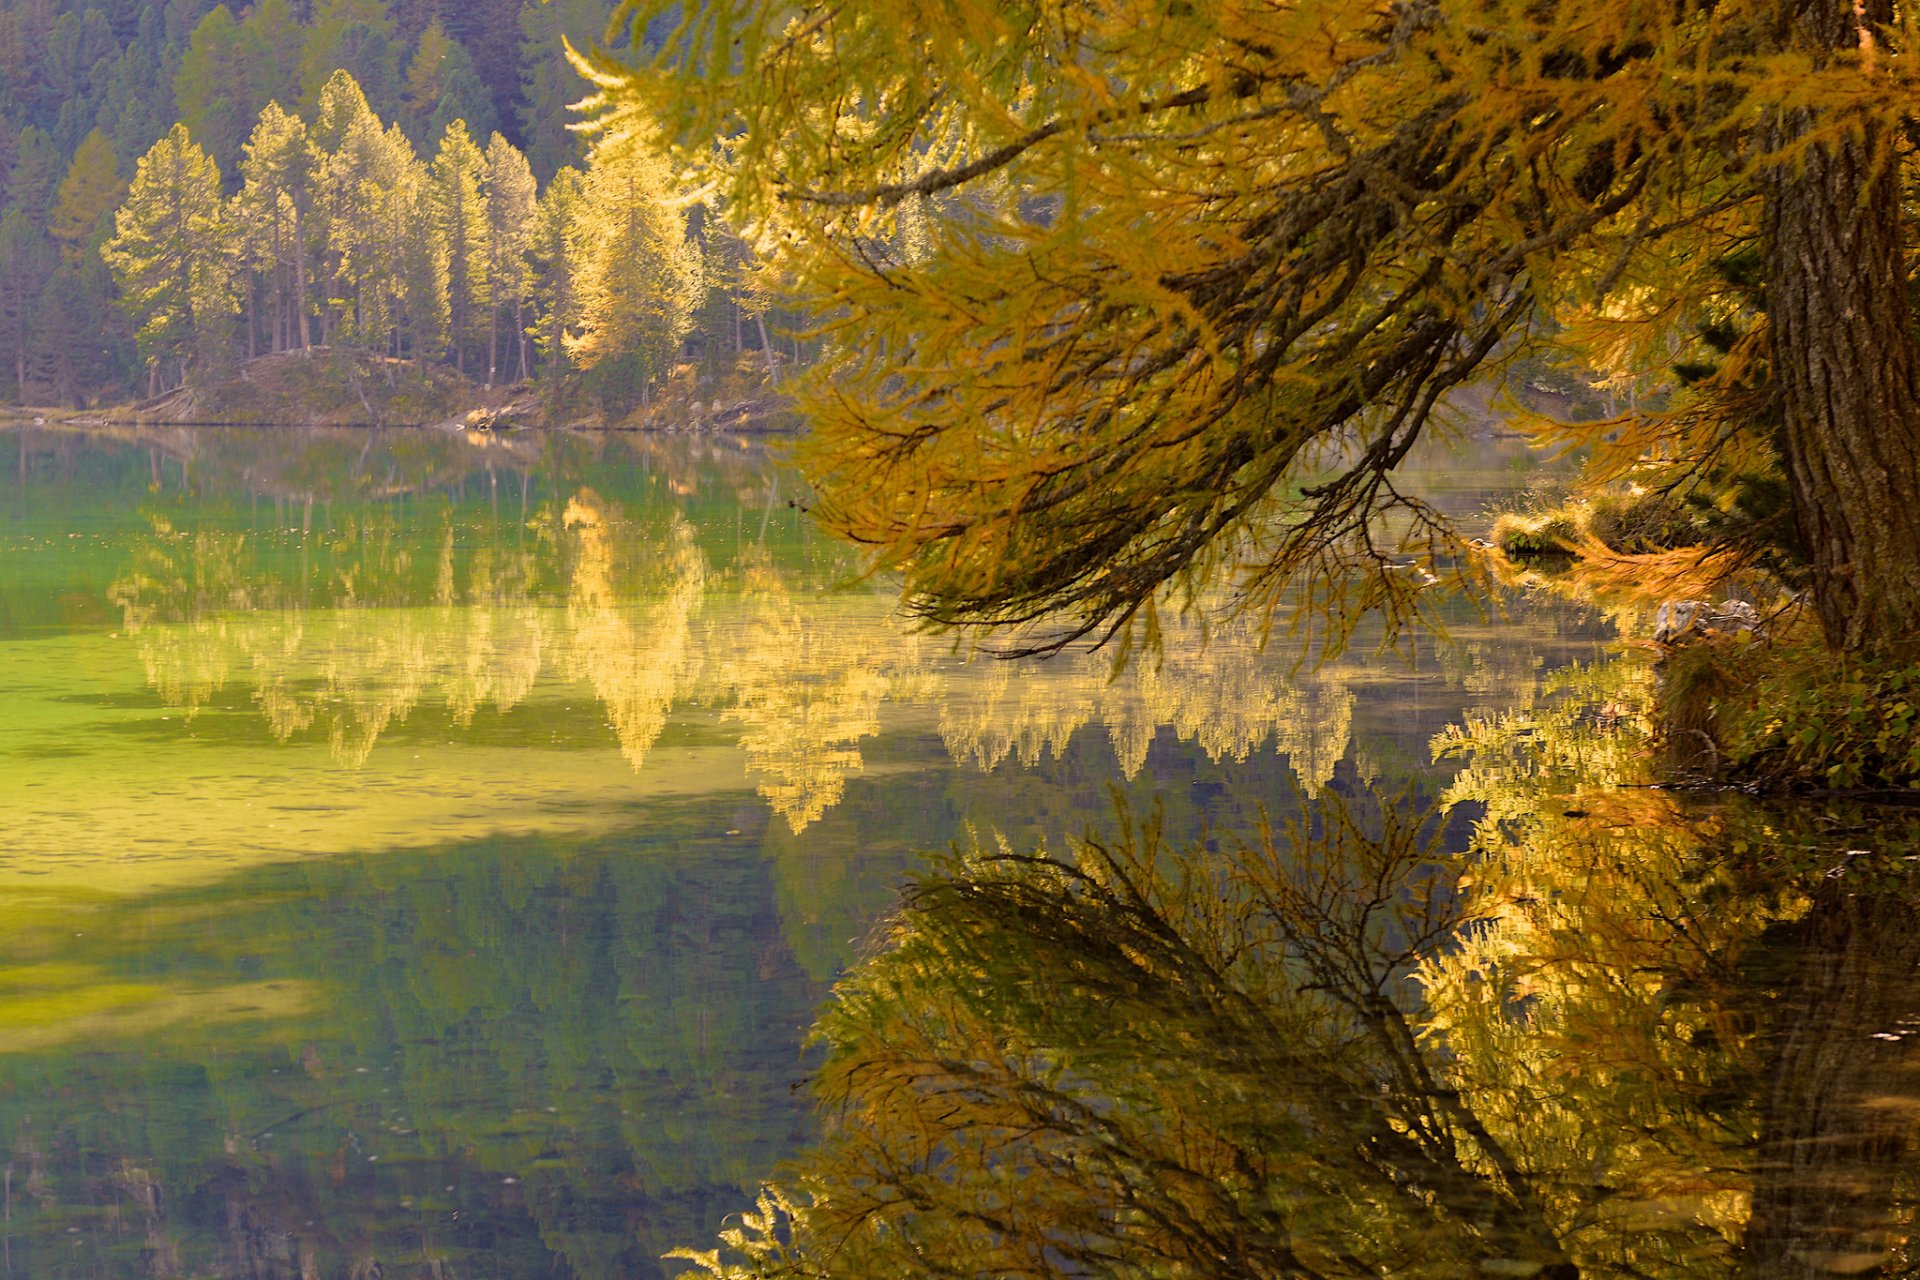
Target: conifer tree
{"x":463,"y":98}
{"x":274,"y":209}
{"x":549,"y":85}
{"x":36,"y":171}
{"x":171,"y":254}
{"x":274,"y":33}
{"x":423,"y":265}
{"x":27,"y":261}
{"x":1180,"y":251}
{"x":426,"y":77}
{"x":73,"y":338}
{"x":635,"y":275}
{"x":460,"y":221}
{"x":551,"y":256}
{"x":442,"y":86}
{"x":510,"y":202}
{"x":357,"y":37}
{"x":87,"y":195}
{"x":365,"y":198}
{"x":213,"y":89}
{"x":133,"y":112}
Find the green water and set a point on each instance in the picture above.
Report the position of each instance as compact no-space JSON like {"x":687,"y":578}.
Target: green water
{"x":429,"y":852}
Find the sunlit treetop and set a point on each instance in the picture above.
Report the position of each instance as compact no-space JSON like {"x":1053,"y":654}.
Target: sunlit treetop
{"x":1184,"y":282}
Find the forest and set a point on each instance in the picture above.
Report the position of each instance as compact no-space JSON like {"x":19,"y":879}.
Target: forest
{"x":186,"y":188}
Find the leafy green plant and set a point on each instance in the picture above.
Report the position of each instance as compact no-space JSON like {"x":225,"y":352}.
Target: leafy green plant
{"x":1807,"y":719}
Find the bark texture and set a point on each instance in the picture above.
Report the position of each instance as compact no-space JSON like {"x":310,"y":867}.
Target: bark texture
{"x":1845,"y":359}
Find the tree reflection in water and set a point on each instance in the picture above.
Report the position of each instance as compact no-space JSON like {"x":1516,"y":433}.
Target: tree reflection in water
{"x":1618,"y":1035}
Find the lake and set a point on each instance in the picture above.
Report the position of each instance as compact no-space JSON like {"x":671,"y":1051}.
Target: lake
{"x":425,"y":855}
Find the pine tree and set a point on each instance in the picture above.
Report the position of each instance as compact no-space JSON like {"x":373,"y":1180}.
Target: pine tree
{"x":72,"y":347}
{"x":442,"y":86}
{"x":551,"y":256}
{"x":273,"y":29}
{"x":635,"y":274}
{"x":36,"y":171}
{"x":549,"y":85}
{"x":27,"y":261}
{"x":134,"y":112}
{"x":510,"y":199}
{"x":460,"y":220}
{"x":355,"y":37}
{"x":364,"y":196}
{"x":274,"y":209}
{"x":171,"y":255}
{"x":423,"y":267}
{"x":426,"y":77}
{"x":463,"y":98}
{"x":213,"y":89}
{"x":88,"y":194}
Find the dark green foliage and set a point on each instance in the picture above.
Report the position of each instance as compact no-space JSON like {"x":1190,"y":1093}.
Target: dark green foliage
{"x":464,"y":97}
{"x":1796,"y":716}
{"x":618,"y":383}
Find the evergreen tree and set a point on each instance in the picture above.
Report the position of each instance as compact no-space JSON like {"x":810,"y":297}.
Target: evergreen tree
{"x":551,"y":258}
{"x":463,"y":98}
{"x":549,"y":85}
{"x":441,"y":87}
{"x":460,"y":220}
{"x":489,"y":30}
{"x":339,"y":104}
{"x":510,"y":198}
{"x":274,"y":210}
{"x":9,"y":154}
{"x":364,"y":199}
{"x":635,"y":274}
{"x":27,"y":261}
{"x":72,"y":350}
{"x":87,"y":195}
{"x":423,"y":267}
{"x":357,"y":37}
{"x":134,"y":111}
{"x":273,"y":29}
{"x":36,"y":172}
{"x":213,"y":89}
{"x":171,"y":256}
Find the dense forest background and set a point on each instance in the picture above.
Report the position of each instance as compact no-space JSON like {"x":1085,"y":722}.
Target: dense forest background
{"x":438,"y":198}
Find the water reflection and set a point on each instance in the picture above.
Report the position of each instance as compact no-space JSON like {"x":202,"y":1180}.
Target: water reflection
{"x":1622,"y":1034}
{"x":344,"y":634}
{"x":425,"y":854}
{"x":568,"y":1087}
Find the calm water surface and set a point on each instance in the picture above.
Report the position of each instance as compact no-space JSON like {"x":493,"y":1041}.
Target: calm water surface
{"x":424,"y":855}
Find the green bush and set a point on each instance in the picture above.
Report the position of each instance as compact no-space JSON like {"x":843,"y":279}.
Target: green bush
{"x":1807,"y":719}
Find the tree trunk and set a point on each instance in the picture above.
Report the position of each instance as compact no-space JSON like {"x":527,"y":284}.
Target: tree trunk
{"x":300,"y":280}
{"x":1845,"y":361}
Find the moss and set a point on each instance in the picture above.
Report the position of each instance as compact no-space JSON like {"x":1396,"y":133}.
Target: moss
{"x":1523,"y":536}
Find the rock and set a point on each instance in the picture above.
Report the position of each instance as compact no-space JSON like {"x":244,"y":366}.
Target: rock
{"x":1677,"y":619}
